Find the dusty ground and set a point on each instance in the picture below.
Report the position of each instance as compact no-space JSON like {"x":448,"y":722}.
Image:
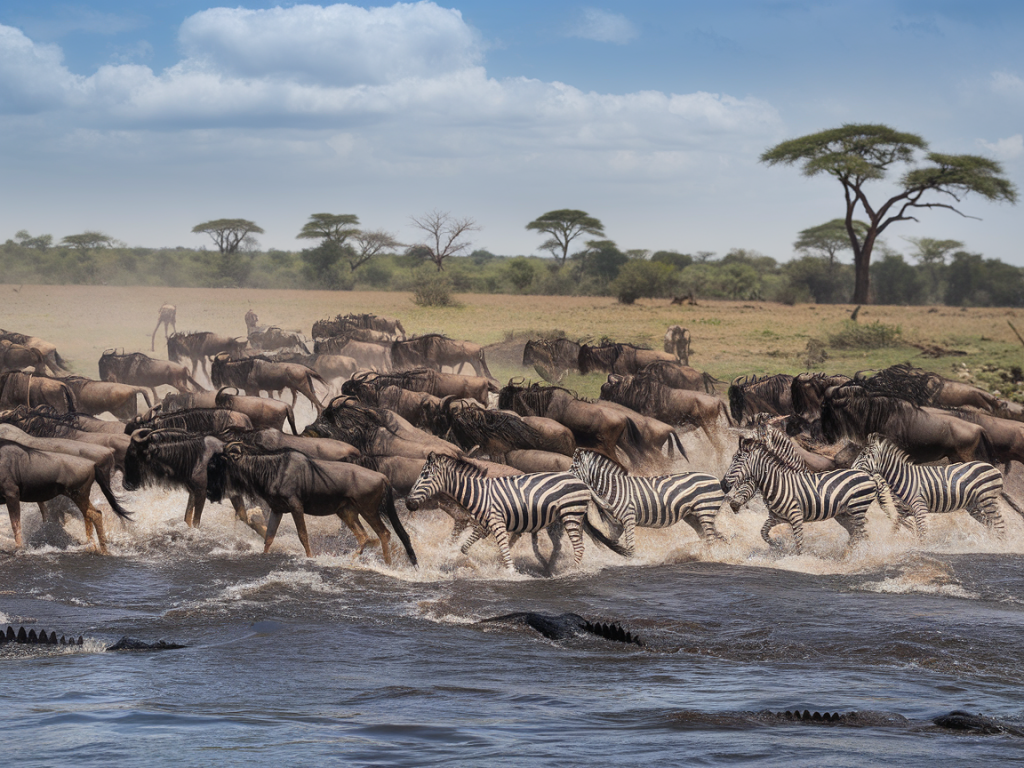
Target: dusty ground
{"x":729,"y":338}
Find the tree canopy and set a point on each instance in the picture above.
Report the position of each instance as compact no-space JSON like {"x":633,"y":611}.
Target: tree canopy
{"x":445,"y":236}
{"x":564,"y":226}
{"x":336,"y":227}
{"x":856,"y":154}
{"x":828,"y":239}
{"x":87,"y":240}
{"x":228,"y":234}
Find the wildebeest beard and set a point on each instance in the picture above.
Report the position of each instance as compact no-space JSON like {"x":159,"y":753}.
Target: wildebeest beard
{"x":468,"y":427}
{"x":173,"y":455}
{"x":771,"y":389}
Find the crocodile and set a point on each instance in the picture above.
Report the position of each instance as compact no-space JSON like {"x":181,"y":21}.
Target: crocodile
{"x":42,"y":637}
{"x":566,"y":625}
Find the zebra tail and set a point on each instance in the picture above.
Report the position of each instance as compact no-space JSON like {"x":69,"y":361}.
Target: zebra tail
{"x":387,"y":505}
{"x":883,"y":495}
{"x":1014,"y":505}
{"x":614,"y":546}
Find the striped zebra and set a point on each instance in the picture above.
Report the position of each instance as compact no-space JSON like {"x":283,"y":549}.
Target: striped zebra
{"x":500,"y":505}
{"x":776,"y":442}
{"x":794,"y":497}
{"x":650,"y":502}
{"x":970,"y":485}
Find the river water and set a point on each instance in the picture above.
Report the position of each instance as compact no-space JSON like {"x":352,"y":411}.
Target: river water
{"x":341,"y":660}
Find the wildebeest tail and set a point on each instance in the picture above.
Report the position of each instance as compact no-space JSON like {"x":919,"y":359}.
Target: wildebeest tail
{"x":709,"y":382}
{"x":387,"y":506}
{"x":108,"y":494}
{"x":597,"y":535}
{"x":1013,"y":504}
{"x":194,"y":383}
{"x":728,"y":416}
{"x":59,"y":360}
{"x":69,"y":398}
{"x":676,"y":442}
{"x":290,"y":415}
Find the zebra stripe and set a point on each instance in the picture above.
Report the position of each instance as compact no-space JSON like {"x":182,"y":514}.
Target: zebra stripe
{"x":795,"y":497}
{"x":503,"y":505}
{"x":971,"y":485}
{"x":651,"y":502}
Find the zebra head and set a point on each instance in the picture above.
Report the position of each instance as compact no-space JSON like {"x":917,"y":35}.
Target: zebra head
{"x":739,"y":467}
{"x":430,"y":482}
{"x":879,"y":455}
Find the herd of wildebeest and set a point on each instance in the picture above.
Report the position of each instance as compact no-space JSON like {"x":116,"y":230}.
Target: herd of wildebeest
{"x":395,"y":418}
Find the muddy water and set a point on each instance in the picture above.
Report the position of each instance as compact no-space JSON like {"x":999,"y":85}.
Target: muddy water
{"x":342,"y":660}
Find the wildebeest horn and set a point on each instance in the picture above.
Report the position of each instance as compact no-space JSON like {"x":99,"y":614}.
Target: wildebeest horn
{"x":234,"y":450}
{"x":141,"y":434}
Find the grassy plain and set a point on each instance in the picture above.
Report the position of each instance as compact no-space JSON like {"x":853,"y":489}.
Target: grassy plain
{"x":729,"y":338}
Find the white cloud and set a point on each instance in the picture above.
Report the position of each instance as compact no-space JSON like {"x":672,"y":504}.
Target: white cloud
{"x":32,"y":77}
{"x":340,"y":45}
{"x":1007,"y":84}
{"x":1009,"y":148}
{"x":604,"y":27}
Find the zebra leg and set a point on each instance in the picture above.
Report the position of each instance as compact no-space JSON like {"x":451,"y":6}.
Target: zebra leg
{"x":988,"y":513}
{"x":920,"y":509}
{"x":572,"y":522}
{"x":475,"y":535}
{"x":770,"y":523}
{"x":500,"y":532}
{"x":854,"y":524}
{"x":796,"y":521}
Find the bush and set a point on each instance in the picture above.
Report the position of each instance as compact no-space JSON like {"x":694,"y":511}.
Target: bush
{"x":643,"y":279}
{"x":867,"y":336}
{"x":432,"y":289}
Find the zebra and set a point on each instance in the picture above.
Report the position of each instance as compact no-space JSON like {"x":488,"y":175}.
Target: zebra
{"x":970,"y":485}
{"x":516,"y":504}
{"x":776,"y":442}
{"x":793,"y":496}
{"x":650,"y":502}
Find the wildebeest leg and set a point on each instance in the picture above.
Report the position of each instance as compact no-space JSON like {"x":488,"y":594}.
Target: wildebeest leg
{"x":272,"y":524}
{"x":190,"y":510}
{"x":380,"y":529}
{"x":14,"y":512}
{"x":155,"y":398}
{"x":351,"y":520}
{"x":91,"y":515}
{"x":152,"y":342}
{"x":300,"y":526}
{"x":42,"y":510}
{"x":241,"y":513}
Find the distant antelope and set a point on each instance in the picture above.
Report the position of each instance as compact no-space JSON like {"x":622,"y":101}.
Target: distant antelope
{"x":167,"y":313}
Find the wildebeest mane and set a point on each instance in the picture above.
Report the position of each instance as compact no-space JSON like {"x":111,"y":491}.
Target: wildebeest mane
{"x":532,"y":398}
{"x":202,"y":420}
{"x":655,"y":369}
{"x":352,"y":422}
{"x":769,"y":387}
{"x":42,"y":421}
{"x":468,"y":427}
{"x":902,"y":381}
{"x":179,"y":452}
{"x":848,"y":412}
{"x":817,"y":381}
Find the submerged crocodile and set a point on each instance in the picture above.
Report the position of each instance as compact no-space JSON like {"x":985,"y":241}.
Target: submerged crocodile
{"x":31,"y":637}
{"x":566,"y":625}
{"x":957,"y":720}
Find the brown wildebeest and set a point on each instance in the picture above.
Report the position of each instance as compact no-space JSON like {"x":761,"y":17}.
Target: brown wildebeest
{"x":18,"y":388}
{"x":291,"y":483}
{"x":263,"y":412}
{"x":142,"y":371}
{"x":624,"y":359}
{"x":269,"y":339}
{"x":45,"y":348}
{"x":672,"y":406}
{"x":750,"y":395}
{"x":434,"y":350}
{"x":176,"y":458}
{"x":656,"y":433}
{"x":679,"y":376}
{"x":17,"y":357}
{"x":330,"y":367}
{"x":28,"y":474}
{"x":591,"y":425}
{"x":927,"y":435}
{"x":677,"y":342}
{"x":45,"y":422}
{"x":96,"y":397}
{"x":423,"y":380}
{"x":411,"y":406}
{"x":553,"y":358}
{"x":267,"y":440}
{"x":207,"y":421}
{"x":340,"y":326}
{"x":375,"y":431}
{"x":808,"y":391}
{"x":925,"y":388}
{"x":1005,"y":435}
{"x":200,"y":345}
{"x":168,"y":312}
{"x":538,"y":461}
{"x":372,"y":356}
{"x":254,"y":374}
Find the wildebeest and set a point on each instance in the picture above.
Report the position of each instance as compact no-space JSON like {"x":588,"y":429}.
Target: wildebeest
{"x":625,"y":359}
{"x":46,"y":422}
{"x":208,"y":421}
{"x":750,"y":395}
{"x":672,"y":406}
{"x":292,"y":483}
{"x":679,"y":376}
{"x":340,"y":325}
{"x":677,"y":342}
{"x":434,"y":350}
{"x":329,"y":366}
{"x":552,"y":358}
{"x":32,"y":475}
{"x":593,"y":426}
{"x":323,"y":448}
{"x":142,"y":371}
{"x":925,"y":388}
{"x":263,"y":412}
{"x":424,"y":380}
{"x":808,"y":391}
{"x":96,"y":397}
{"x":375,"y":431}
{"x":200,"y":345}
{"x":258,"y":373}
{"x":17,"y":357}
{"x":927,"y":435}
{"x":45,"y":348}
{"x":168,"y":312}
{"x":269,"y":339}
{"x":18,"y":388}
{"x":368,"y":355}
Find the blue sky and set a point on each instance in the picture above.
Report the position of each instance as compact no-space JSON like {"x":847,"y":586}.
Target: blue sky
{"x":144,"y":119}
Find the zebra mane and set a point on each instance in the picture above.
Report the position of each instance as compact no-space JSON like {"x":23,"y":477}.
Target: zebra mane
{"x":778,"y":444}
{"x":459,"y":465}
{"x":603,"y":463}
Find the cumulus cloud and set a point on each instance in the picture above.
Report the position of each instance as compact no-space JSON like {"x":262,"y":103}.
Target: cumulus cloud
{"x":1009,"y":148}
{"x":604,"y":27}
{"x":340,"y":45}
{"x":403,"y":84}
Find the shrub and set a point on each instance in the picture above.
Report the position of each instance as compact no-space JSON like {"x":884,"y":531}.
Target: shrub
{"x":432,"y":290}
{"x":642,"y":279}
{"x":865,"y":336}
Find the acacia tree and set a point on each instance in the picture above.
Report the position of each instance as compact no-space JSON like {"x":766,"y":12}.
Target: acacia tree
{"x":87,"y":240}
{"x":827,"y":240}
{"x":444,"y":236}
{"x":857,"y":154}
{"x":564,"y":226}
{"x":368,"y":245}
{"x":229,"y":234}
{"x":336,"y":227}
